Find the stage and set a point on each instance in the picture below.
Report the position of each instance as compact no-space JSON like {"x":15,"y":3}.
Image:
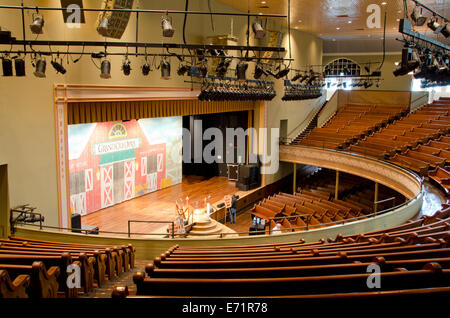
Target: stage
{"x":160,"y":206}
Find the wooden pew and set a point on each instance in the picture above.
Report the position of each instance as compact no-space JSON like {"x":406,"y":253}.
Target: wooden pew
{"x":43,"y":283}
{"x":16,"y":288}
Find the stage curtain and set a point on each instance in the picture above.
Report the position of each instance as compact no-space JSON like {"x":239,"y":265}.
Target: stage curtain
{"x":95,"y":112}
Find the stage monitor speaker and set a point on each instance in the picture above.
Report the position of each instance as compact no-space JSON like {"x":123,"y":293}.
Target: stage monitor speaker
{"x":76,"y":222}
{"x":221,"y":205}
{"x":249,"y":174}
{"x":233,"y":172}
{"x":223,"y":169}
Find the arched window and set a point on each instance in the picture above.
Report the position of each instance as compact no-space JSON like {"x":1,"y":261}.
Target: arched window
{"x":342,"y":67}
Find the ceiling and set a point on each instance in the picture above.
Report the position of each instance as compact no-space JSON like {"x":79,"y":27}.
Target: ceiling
{"x":336,"y":20}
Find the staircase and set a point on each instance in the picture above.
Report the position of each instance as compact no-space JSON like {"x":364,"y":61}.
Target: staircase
{"x":211,"y":227}
{"x":307,"y":130}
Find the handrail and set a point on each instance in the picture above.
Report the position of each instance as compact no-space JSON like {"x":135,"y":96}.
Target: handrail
{"x":148,"y":221}
{"x":306,"y":118}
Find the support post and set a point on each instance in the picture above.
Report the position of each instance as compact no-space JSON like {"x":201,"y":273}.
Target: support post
{"x":294,"y":182}
{"x":375,"y":199}
{"x":336,"y":188}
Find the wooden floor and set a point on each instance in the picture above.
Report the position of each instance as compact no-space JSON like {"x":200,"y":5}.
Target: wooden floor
{"x":160,"y":205}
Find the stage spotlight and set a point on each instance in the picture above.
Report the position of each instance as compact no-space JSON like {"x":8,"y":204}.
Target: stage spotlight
{"x":126,"y":67}
{"x":410,"y":61}
{"x":213,"y":52}
{"x":296,"y":77}
{"x":146,"y":69}
{"x":165,"y":70}
{"x":378,"y":84}
{"x":105,"y":69}
{"x":183,"y":69}
{"x":367,"y":68}
{"x":7,"y":66}
{"x":200,"y":54}
{"x":37,"y":25}
{"x":19,"y":65}
{"x":168,"y":30}
{"x":58,"y":67}
{"x":222,"y":68}
{"x":259,"y":31}
{"x":368,"y":84}
{"x":417,"y":17}
{"x":282,"y":73}
{"x":259,"y":71}
{"x":102,"y":29}
{"x":446,"y":30}
{"x":203,"y":71}
{"x":434,"y":25}
{"x":41,"y":65}
{"x":241,"y":70}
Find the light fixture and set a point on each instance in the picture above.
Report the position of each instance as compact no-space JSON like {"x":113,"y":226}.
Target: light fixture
{"x":19,"y":65}
{"x":126,"y":66}
{"x":446,"y":30}
{"x":203,"y":71}
{"x":296,"y":77}
{"x":41,"y":65}
{"x":259,"y":31}
{"x":222,"y":68}
{"x":103,"y":27}
{"x":410,"y":61}
{"x":282,"y":73}
{"x":165,"y":70}
{"x":168,"y":30}
{"x":7,"y":66}
{"x":434,"y":25}
{"x":37,"y":25}
{"x":417,"y":17}
{"x":146,"y":68}
{"x":183,"y":69}
{"x":259,"y":71}
{"x":58,"y":67}
{"x":105,"y":69}
{"x":241,"y":70}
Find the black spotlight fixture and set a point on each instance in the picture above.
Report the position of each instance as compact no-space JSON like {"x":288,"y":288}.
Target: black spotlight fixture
{"x":282,"y":73}
{"x":446,"y":30}
{"x":41,"y":66}
{"x":259,"y":71}
{"x":296,"y":77}
{"x":126,"y":67}
{"x":165,"y":69}
{"x":183,"y":69}
{"x":105,"y":69}
{"x":200,"y":54}
{"x":223,"y":66}
{"x":167,"y":27}
{"x":203,"y":71}
{"x":38,"y":24}
{"x":410,"y":61}
{"x":368,"y":84}
{"x":58,"y":66}
{"x":241,"y":70}
{"x":146,"y":68}
{"x":417,"y":16}
{"x":7,"y":66}
{"x":19,"y":65}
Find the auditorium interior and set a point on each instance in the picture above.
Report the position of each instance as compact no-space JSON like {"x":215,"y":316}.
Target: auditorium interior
{"x":286,"y":149}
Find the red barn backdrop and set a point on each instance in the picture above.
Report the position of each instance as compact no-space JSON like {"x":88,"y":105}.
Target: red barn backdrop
{"x":113,"y":162}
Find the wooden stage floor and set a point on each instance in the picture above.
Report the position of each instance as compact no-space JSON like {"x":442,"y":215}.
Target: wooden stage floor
{"x":160,"y":205}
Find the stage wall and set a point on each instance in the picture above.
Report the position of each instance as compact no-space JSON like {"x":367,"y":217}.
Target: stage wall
{"x":117,"y":161}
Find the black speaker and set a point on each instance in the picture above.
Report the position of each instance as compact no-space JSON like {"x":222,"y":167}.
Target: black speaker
{"x":76,"y":222}
{"x":223,"y":169}
{"x":233,"y":172}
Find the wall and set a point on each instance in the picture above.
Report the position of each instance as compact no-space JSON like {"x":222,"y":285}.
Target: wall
{"x":27,"y":137}
{"x":389,"y":82}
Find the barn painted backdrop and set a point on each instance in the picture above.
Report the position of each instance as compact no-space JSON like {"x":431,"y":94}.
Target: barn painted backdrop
{"x":117,"y":161}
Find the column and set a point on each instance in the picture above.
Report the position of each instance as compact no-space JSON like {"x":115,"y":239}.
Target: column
{"x":336,"y":188}
{"x":294,"y":182}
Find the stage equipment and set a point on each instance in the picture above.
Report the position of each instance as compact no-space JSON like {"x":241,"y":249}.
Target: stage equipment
{"x":105,"y":69}
{"x":41,"y":65}
{"x":7,"y":66}
{"x":37,"y":25}
{"x":167,"y":28}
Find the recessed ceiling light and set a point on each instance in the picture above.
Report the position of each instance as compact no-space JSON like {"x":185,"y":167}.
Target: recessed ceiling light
{"x":384,"y":3}
{"x":263,"y":2}
{"x":300,"y":21}
{"x":338,"y":28}
{"x":349,"y":22}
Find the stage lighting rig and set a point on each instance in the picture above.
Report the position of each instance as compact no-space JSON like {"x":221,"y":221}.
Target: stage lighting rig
{"x":105,"y":69}
{"x":167,"y":27}
{"x":417,"y":16}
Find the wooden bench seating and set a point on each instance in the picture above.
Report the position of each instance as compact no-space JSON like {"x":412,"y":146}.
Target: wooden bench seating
{"x":416,"y":165}
{"x":13,"y":288}
{"x":442,"y":178}
{"x":433,"y":161}
{"x":43,"y":283}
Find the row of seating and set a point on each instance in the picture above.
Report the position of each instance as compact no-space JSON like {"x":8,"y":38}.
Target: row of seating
{"x":39,"y":269}
{"x":413,"y":258}
{"x":350,"y":124}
